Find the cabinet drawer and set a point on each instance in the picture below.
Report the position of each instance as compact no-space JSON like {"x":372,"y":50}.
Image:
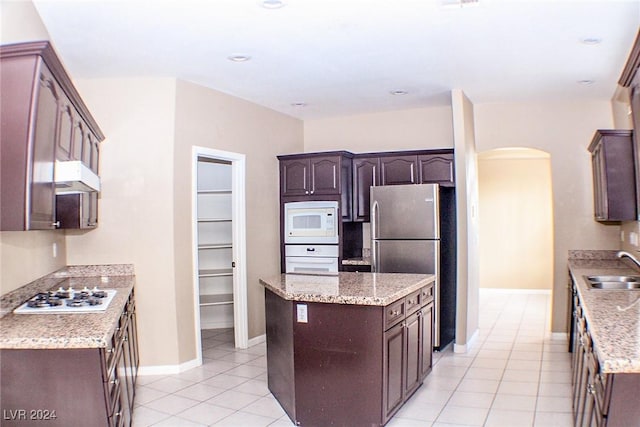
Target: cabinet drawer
{"x":393,"y":313}
{"x":426,"y":295}
{"x":413,"y":301}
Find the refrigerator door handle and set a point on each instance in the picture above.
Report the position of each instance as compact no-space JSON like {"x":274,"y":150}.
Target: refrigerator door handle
{"x":375,"y":213}
{"x":375,"y":208}
{"x":374,"y":256}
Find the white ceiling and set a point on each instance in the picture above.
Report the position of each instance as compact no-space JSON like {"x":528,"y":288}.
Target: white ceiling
{"x":345,"y":56}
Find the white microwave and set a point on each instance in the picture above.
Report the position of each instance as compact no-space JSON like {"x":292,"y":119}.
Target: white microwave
{"x":311,"y":222}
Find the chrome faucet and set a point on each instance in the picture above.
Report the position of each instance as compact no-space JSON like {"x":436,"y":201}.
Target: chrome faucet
{"x":621,"y":254}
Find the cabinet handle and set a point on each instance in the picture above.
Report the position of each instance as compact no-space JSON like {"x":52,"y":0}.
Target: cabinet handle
{"x":591,"y":389}
{"x":412,"y":173}
{"x":111,"y":350}
{"x":114,"y":382}
{"x":56,"y":224}
{"x":125,"y":338}
{"x":306,"y":192}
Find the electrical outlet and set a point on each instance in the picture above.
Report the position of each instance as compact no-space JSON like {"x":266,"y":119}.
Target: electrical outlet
{"x":633,"y":238}
{"x":301,"y":313}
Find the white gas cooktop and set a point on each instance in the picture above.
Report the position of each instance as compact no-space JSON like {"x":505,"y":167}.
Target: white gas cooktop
{"x":68,"y":300}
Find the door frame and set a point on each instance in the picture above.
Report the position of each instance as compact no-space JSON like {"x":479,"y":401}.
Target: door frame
{"x":239,"y":252}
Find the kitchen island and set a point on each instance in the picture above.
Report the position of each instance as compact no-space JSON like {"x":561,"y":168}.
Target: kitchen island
{"x":605,"y":342}
{"x":70,"y":369}
{"x":348,"y":349}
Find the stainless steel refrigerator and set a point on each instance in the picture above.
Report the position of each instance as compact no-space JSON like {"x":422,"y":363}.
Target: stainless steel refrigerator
{"x":405,"y":238}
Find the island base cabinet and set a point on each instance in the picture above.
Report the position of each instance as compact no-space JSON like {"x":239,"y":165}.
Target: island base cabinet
{"x":343,"y":364}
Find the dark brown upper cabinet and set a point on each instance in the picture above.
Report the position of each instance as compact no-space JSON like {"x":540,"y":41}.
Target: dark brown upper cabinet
{"x":437,"y":169}
{"x":614,"y":182}
{"x":398,"y":170}
{"x":41,"y":113}
{"x":630,"y":78}
{"x":312,"y":174}
{"x":366,"y":174}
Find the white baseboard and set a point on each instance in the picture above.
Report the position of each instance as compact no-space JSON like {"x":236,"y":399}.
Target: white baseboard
{"x":559,"y":336}
{"x":216,"y":325}
{"x":463,"y":348}
{"x":516,"y":291}
{"x":168,"y":369}
{"x":257,"y":340}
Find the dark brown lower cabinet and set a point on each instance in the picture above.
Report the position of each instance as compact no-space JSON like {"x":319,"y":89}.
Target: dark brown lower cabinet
{"x":77,"y":211}
{"x":599,"y":399}
{"x":350,"y":365}
{"x":72,"y":387}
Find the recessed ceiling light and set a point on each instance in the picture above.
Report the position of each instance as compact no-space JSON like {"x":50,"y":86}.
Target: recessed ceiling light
{"x":590,"y":41}
{"x":458,"y":3}
{"x":239,"y":58}
{"x":398,"y":92}
{"x":299,"y":104}
{"x":586,"y":82}
{"x":273,"y":4}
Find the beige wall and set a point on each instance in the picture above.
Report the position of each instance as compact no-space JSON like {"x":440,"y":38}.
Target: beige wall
{"x":564,"y":130}
{"x":26,"y":255}
{"x":516,"y":219}
{"x":136,"y":214}
{"x":19,"y":22}
{"x":468,"y":261}
{"x":211,"y":119}
{"x":395,"y":130}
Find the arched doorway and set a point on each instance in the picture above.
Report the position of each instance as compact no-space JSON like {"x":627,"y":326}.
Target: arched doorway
{"x":515,"y":219}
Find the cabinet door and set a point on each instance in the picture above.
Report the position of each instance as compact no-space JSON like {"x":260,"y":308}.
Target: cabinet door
{"x":78,"y":139}
{"x":87,"y":146}
{"x":294,"y":177}
{"x":413,"y":355}
{"x":64,"y":141}
{"x":398,"y":170}
{"x":427,"y":339}
{"x":394,"y":351}
{"x":95,"y":155}
{"x":635,"y":118}
{"x":92,"y":207}
{"x":325,"y":175}
{"x":42,"y":202}
{"x":436,"y":169}
{"x":366,"y":174}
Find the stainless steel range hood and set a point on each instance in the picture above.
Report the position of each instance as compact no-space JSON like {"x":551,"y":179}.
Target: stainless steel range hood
{"x":75,"y":177}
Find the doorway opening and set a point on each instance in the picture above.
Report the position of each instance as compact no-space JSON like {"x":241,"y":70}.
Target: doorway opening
{"x":515,"y":219}
{"x":219,"y":244}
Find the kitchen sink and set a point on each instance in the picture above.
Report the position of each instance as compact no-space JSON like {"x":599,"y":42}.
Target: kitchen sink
{"x":614,"y":282}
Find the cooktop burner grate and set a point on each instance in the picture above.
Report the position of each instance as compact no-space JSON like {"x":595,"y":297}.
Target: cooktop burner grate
{"x":68,"y":300}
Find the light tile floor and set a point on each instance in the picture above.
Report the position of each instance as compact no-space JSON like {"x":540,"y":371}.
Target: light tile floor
{"x":516,"y":375}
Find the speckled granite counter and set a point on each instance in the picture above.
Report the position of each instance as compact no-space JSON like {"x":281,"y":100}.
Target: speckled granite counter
{"x":347,"y":288}
{"x":357,"y":261}
{"x":614,"y":330}
{"x":63,"y":331}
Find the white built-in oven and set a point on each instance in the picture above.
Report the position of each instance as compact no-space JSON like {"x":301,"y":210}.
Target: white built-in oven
{"x":311,"y":222}
{"x":312,"y":259}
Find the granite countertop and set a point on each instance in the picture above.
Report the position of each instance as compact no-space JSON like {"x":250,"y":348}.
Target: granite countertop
{"x":612,"y":317}
{"x":347,"y":288}
{"x":357,"y":261}
{"x":64,"y":331}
